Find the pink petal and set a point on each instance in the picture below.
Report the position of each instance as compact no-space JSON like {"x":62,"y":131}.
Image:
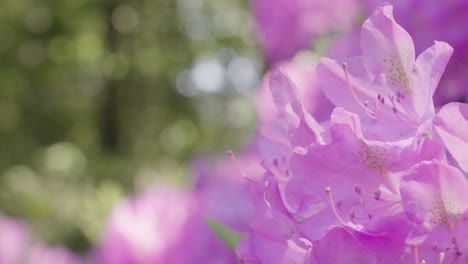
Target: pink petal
{"x":451,"y":124}
{"x":429,"y":66}
{"x":388,"y":50}
{"x":340,"y":246}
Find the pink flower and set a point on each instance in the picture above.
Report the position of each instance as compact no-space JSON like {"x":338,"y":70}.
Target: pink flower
{"x":17,"y":246}
{"x":224,"y":192}
{"x":387,"y":87}
{"x":14,"y":240}
{"x":40,"y":254}
{"x":424,"y":21}
{"x":274,"y":236}
{"x":287,"y":26}
{"x":373,"y":183}
{"x":162,"y":225}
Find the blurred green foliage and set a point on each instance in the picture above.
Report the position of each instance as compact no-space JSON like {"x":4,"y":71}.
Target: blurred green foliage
{"x":100,"y":98}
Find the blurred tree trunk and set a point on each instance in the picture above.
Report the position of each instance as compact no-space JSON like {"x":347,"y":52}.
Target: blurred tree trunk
{"x":109,"y":126}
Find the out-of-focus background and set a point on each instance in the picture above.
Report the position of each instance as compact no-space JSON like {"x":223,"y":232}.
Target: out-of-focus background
{"x":98,"y":98}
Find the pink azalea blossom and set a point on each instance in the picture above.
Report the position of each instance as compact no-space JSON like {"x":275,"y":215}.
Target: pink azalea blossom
{"x":373,"y":183}
{"x":425,"y":21}
{"x":387,"y":86}
{"x":162,"y":225}
{"x":286,"y":26}
{"x":440,"y":20}
{"x":14,"y":240}
{"x":41,"y":254}
{"x":274,"y":236}
{"x":17,"y":246}
{"x":224,"y":192}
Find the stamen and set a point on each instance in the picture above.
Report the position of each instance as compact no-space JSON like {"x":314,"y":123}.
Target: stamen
{"x":238,"y":169}
{"x":415,"y":253}
{"x":345,"y":69}
{"x":332,"y":204}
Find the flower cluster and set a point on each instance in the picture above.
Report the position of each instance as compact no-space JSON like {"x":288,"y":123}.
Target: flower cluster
{"x":382,"y":180}
{"x":306,"y":24}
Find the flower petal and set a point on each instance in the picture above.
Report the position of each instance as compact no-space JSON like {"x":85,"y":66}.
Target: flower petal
{"x":451,"y":124}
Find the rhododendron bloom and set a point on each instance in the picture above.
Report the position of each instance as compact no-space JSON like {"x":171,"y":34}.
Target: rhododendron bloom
{"x":162,"y":225}
{"x":286,"y":26}
{"x":387,"y":87}
{"x":41,"y":254}
{"x":224,"y":194}
{"x":377,"y":182}
{"x":440,"y":20}
{"x":14,"y":239}
{"x":17,"y":246}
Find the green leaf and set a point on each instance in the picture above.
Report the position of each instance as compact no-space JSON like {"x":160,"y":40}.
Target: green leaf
{"x":227,"y":235}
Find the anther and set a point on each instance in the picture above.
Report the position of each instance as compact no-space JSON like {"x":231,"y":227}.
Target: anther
{"x":353,"y":214}
{"x":332,"y":204}
{"x":275,"y":162}
{"x":357,"y":189}
{"x":339,"y":204}
{"x":377,"y":195}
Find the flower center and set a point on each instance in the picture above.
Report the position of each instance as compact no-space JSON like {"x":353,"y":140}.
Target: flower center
{"x":393,"y":108}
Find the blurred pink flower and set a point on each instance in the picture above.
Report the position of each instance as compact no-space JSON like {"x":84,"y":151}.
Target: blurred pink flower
{"x":224,"y":192}
{"x":17,"y":246}
{"x":161,"y":225}
{"x":287,"y":26}
{"x":14,"y":239}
